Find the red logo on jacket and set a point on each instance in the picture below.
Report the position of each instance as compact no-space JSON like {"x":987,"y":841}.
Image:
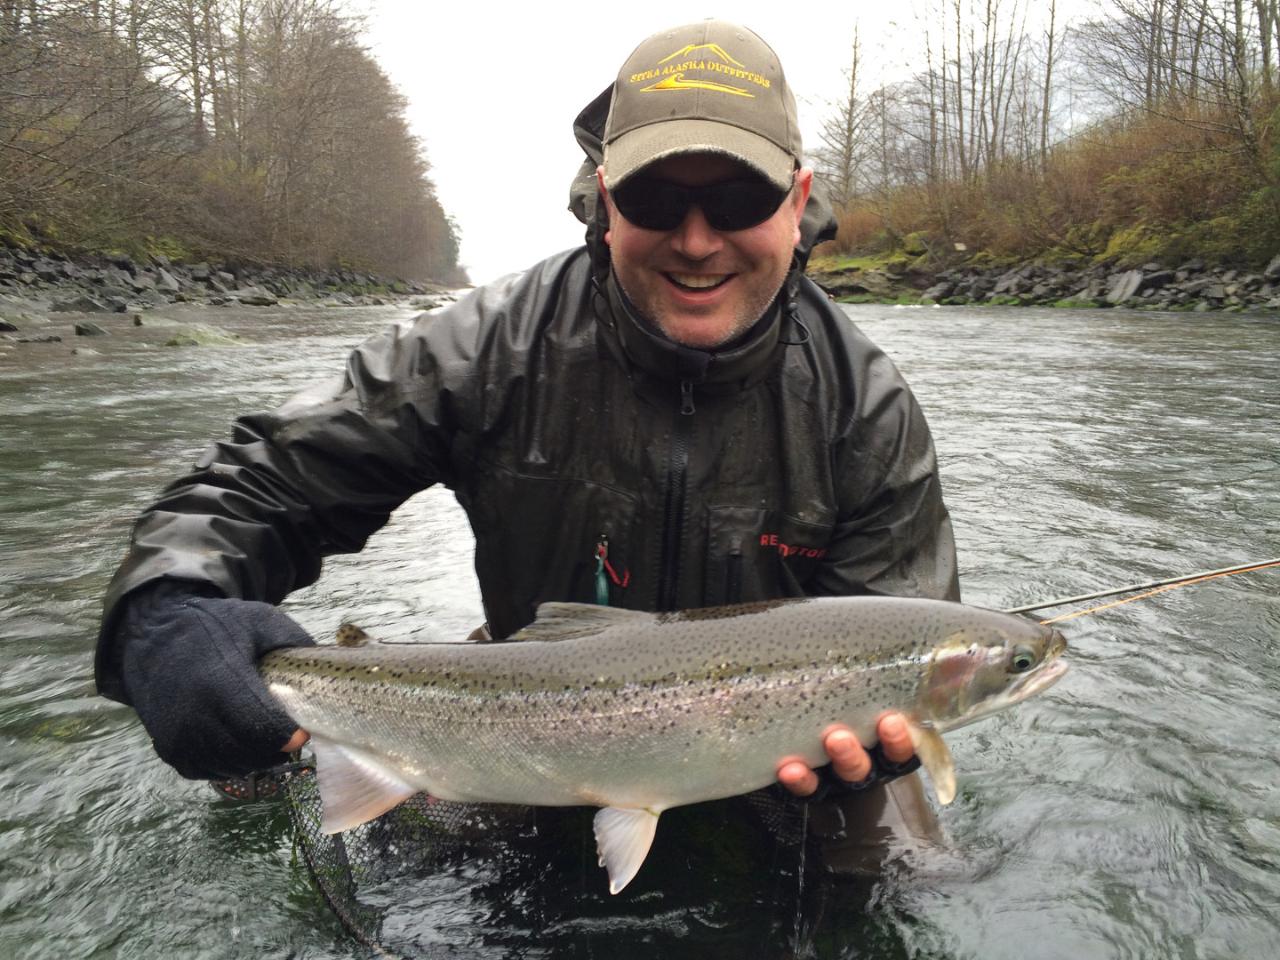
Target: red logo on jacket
{"x":791,"y":550}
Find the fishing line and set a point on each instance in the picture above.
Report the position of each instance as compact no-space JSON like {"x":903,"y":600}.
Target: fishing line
{"x":1151,"y":588}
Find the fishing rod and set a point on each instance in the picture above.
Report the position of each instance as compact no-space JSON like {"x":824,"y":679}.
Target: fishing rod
{"x":1152,"y":587}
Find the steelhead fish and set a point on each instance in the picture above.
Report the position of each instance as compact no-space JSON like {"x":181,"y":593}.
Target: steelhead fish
{"x":639,"y":712}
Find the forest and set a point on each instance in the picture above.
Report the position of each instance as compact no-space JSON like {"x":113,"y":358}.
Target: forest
{"x":259,"y":131}
{"x":1145,"y":130}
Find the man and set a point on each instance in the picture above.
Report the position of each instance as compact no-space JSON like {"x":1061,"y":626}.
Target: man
{"x":674,"y":397}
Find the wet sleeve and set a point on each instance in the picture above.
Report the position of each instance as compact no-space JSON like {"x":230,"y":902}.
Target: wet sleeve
{"x":257,"y":514}
{"x":893,"y":534}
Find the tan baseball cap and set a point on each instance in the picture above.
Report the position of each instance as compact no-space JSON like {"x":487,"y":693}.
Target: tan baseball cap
{"x":708,"y":87}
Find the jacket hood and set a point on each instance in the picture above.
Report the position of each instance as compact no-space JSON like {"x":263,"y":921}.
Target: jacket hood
{"x":818,"y":224}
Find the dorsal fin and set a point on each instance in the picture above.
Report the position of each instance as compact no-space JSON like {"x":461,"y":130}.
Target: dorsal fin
{"x":349,"y":635}
{"x":565,"y":621}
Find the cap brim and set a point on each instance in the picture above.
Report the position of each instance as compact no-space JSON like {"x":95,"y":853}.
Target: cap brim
{"x":636,"y":149}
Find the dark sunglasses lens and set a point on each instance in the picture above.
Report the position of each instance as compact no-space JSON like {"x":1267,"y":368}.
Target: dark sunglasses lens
{"x":652,"y":204}
{"x":731,"y":205}
{"x":740,"y":204}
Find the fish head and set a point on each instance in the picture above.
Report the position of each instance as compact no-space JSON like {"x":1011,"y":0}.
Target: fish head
{"x":988,"y":666}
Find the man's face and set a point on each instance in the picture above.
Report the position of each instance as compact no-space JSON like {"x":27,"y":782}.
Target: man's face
{"x":702,"y":287}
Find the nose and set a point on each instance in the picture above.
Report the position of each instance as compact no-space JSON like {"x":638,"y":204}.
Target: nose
{"x":696,"y":239}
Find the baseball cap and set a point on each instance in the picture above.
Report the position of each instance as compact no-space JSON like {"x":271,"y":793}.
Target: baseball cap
{"x":707,"y":87}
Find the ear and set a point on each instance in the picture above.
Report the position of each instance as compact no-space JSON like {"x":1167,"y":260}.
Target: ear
{"x":608,"y":205}
{"x":800,"y":196}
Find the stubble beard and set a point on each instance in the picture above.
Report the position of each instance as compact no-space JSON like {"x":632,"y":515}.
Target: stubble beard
{"x":650,"y":310}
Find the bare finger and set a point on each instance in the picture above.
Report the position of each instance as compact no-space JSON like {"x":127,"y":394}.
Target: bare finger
{"x":895,"y":738}
{"x":849,"y":760}
{"x":796,"y":776}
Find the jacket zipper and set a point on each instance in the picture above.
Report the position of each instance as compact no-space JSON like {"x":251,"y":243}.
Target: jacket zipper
{"x":673,"y":518}
{"x":733,"y":576}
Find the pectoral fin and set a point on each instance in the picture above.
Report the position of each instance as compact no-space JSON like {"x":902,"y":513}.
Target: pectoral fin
{"x":935,"y":757}
{"x":354,"y":787}
{"x":623,"y":838}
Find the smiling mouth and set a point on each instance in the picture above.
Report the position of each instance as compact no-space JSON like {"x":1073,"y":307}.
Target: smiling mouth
{"x":697,"y":281}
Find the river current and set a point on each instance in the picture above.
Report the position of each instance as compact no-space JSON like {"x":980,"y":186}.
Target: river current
{"x":1133,"y":811}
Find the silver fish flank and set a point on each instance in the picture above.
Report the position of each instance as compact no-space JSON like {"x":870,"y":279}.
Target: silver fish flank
{"x":639,"y":712}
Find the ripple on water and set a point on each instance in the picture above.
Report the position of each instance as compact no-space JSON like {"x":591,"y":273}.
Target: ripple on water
{"x":1128,"y":812}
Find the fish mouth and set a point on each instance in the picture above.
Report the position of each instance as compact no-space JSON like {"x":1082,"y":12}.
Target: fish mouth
{"x":1042,"y":679}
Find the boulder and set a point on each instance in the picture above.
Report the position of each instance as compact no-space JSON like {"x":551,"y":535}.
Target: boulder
{"x":80,"y":304}
{"x":87,"y":328}
{"x":1124,"y":285}
{"x":201,"y":335}
{"x":1273,"y":269}
{"x":256,"y":297}
{"x":1157,"y":279}
{"x":166,"y":282}
{"x":7,"y":327}
{"x":45,"y":338}
{"x":1014,"y":281}
{"x":49,"y":271}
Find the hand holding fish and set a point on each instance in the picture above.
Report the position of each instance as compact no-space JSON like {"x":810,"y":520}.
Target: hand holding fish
{"x":849,"y":759}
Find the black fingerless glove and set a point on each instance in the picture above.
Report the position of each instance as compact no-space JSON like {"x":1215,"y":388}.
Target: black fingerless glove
{"x":882,"y":771}
{"x":189,"y":667}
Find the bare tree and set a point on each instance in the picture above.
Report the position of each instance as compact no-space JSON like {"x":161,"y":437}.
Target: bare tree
{"x":842,"y":136}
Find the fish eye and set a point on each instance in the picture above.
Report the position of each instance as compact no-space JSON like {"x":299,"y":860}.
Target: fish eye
{"x":1023,"y":659}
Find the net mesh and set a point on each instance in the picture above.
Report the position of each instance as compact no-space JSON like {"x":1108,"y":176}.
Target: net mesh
{"x":533,"y":867}
{"x":416,"y":838}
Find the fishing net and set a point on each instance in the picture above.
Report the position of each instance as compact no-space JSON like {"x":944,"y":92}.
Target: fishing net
{"x":434,"y":878}
{"x":419,"y":838}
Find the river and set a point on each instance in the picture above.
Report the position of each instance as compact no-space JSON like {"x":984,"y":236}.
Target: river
{"x":1132,"y":811}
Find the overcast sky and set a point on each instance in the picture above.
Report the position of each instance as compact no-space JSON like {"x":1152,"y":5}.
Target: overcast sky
{"x":493,"y":90}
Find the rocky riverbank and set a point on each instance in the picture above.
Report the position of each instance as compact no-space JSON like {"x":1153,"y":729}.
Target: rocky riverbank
{"x":40,"y":288}
{"x":1152,"y":286}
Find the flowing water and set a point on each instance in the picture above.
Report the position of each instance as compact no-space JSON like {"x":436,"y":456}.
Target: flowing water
{"x":1132,"y":811}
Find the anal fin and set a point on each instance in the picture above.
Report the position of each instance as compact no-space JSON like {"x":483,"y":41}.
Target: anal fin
{"x":623,"y":838}
{"x":354,"y":787}
{"x":935,"y":757}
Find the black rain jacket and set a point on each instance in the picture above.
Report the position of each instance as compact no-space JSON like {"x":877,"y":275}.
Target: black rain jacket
{"x":793,"y":463}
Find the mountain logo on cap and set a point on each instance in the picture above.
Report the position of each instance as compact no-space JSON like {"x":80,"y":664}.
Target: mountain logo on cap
{"x":715,"y":48}
{"x":669,"y":75}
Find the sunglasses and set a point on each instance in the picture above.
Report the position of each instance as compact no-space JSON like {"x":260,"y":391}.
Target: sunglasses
{"x":729,"y":205}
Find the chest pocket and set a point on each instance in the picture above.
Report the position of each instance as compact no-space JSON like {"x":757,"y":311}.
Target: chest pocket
{"x":537,"y":540}
{"x":756,"y":554}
